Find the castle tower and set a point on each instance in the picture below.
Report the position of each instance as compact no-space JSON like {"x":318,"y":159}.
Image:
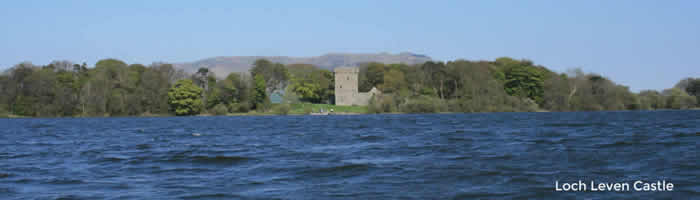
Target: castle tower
{"x":346,"y":89}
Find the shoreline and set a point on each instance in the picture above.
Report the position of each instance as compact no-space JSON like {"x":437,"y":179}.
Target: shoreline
{"x":12,"y":116}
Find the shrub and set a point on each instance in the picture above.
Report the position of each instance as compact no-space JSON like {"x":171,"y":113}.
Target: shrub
{"x":3,"y":111}
{"x":243,"y":107}
{"x":381,"y":104}
{"x":219,"y":109}
{"x":282,"y":109}
{"x":423,"y":104}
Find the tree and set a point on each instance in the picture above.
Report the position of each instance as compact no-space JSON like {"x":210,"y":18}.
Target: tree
{"x":307,"y":91}
{"x":155,"y":83}
{"x":692,"y":87}
{"x":106,"y":92}
{"x":556,"y":93}
{"x":651,"y":100}
{"x":311,"y":84}
{"x":185,"y":98}
{"x":4,"y":89}
{"x":226,"y":92}
{"x":260,"y":98}
{"x":274,"y":74}
{"x":678,"y":99}
{"x":17,"y":87}
{"x":372,"y":75}
{"x":394,"y":81}
{"x":114,"y":87}
{"x":525,"y":81}
{"x":436,"y":75}
{"x":202,"y":79}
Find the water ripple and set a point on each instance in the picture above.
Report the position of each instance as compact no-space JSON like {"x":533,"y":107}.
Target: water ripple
{"x":433,"y":156}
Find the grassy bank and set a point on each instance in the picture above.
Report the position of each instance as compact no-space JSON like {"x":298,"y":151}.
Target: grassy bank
{"x":302,"y":109}
{"x":5,"y":115}
{"x":276,"y":109}
{"x":305,"y":108}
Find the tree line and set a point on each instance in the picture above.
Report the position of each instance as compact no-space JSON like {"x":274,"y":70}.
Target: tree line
{"x":115,"y":88}
{"x":509,"y":85}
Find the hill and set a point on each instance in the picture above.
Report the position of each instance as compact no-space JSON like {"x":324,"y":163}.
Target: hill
{"x":224,"y":65}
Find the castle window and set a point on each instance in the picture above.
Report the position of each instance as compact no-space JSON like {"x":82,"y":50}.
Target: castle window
{"x":347,"y":78}
{"x":341,"y":86}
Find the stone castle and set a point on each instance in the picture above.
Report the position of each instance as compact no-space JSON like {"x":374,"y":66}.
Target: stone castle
{"x":346,"y":88}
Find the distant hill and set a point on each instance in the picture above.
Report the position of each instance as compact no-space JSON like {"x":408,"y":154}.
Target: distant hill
{"x":224,"y":65}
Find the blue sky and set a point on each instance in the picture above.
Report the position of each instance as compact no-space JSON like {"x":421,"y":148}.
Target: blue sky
{"x":642,"y":44}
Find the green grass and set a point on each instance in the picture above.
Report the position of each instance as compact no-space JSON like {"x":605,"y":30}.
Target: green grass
{"x":305,"y":108}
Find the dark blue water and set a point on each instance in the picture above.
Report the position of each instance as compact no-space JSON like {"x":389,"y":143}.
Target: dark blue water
{"x":439,"y":156}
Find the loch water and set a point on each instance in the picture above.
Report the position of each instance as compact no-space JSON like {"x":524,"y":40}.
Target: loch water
{"x":396,"y":156}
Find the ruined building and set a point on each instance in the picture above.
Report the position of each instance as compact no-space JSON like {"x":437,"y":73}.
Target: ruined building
{"x":346,"y":88}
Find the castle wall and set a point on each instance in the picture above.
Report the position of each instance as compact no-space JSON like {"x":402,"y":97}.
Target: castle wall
{"x":346,"y":88}
{"x":363,"y":98}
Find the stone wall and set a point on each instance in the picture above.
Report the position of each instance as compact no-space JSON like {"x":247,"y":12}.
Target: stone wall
{"x":364,"y":97}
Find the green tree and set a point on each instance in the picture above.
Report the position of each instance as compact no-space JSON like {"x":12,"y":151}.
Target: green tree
{"x":311,"y":84}
{"x":679,"y":99}
{"x":692,"y":87}
{"x":525,"y":81}
{"x":436,"y":75}
{"x":4,"y":89}
{"x":106,"y":91}
{"x":651,"y":100}
{"x":394,"y":81}
{"x":226,"y":91}
{"x":260,"y":98}
{"x":307,"y":90}
{"x":373,"y":76}
{"x":275,"y":75}
{"x":155,"y":83}
{"x":19,"y":88}
{"x":185,"y":98}
{"x":556,"y":93}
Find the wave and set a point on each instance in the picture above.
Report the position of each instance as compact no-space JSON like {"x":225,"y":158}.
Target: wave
{"x":336,"y":170}
{"x":10,"y":156}
{"x":39,"y":126}
{"x":575,"y":124}
{"x":212,"y":196}
{"x":618,"y":144}
{"x":181,"y":170}
{"x":73,"y":197}
{"x":62,"y":181}
{"x":222,"y":160}
{"x":682,"y":134}
{"x":327,"y":148}
{"x":372,"y":138}
{"x":480,"y":195}
{"x":6,"y":191}
{"x":676,"y":125}
{"x":462,"y":157}
{"x":506,"y":156}
{"x":374,"y":161}
{"x":143,"y":146}
{"x":109,"y":159}
{"x":460,"y":139}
